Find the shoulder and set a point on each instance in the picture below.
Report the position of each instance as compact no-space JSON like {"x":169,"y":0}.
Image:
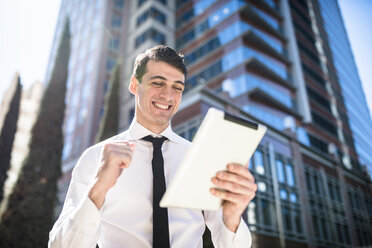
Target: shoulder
{"x":180,"y":141}
{"x":98,"y":147}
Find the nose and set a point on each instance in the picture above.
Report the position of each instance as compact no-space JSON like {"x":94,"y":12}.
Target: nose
{"x":166,"y":93}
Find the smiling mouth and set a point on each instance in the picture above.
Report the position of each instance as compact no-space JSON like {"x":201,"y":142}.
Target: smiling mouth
{"x":162,"y":106}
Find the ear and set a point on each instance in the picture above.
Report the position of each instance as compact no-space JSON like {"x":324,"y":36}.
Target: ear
{"x":133,"y":86}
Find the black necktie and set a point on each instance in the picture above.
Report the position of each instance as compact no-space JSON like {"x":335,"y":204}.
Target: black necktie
{"x":160,"y":215}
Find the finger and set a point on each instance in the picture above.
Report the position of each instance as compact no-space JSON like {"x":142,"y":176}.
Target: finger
{"x":234,"y":178}
{"x":120,"y":158}
{"x":126,"y":150}
{"x":122,"y":145}
{"x":232,"y":187}
{"x":240,"y":170}
{"x":232,"y":197}
{"x":118,"y":147}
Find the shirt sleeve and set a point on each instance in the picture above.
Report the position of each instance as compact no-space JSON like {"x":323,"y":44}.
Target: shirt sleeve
{"x":79,"y":222}
{"x":222,"y":236}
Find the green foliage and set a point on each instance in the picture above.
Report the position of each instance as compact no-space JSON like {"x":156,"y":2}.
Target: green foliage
{"x":7,"y":134}
{"x":30,"y":212}
{"x":109,"y":125}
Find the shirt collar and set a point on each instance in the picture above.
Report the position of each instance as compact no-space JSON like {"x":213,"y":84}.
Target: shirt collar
{"x":136,"y":131}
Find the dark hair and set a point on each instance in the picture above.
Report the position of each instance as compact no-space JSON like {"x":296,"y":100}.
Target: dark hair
{"x":158,"y":53}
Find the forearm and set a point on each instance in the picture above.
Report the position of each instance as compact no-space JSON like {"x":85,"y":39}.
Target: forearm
{"x":222,"y":236}
{"x":77,"y":229}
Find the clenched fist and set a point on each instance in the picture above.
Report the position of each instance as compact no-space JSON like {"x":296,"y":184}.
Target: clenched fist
{"x":115,"y":157}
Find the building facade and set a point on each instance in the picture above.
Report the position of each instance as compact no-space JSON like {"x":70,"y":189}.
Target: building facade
{"x":284,"y":63}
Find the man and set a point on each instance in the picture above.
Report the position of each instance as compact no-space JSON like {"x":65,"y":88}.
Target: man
{"x":110,"y":198}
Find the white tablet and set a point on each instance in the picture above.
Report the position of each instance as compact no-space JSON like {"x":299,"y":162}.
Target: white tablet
{"x":221,"y":139}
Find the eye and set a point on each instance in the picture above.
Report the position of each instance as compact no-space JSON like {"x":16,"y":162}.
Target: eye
{"x":178,"y":88}
{"x":157,"y":84}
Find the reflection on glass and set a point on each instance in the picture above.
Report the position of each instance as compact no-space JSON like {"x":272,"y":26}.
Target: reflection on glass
{"x":279,"y":171}
{"x":269,"y":19}
{"x":252,"y":212}
{"x":246,"y":82}
{"x":267,"y":117}
{"x":283,"y":194}
{"x":214,"y":19}
{"x":258,"y":160}
{"x":290,"y":175}
{"x":293,"y":197}
{"x":261,"y":186}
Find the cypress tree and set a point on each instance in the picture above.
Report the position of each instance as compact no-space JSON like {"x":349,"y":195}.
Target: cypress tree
{"x":109,"y":125}
{"x":8,"y":131}
{"x":30,"y":212}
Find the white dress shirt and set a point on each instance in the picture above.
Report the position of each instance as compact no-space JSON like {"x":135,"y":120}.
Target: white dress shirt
{"x":125,"y":219}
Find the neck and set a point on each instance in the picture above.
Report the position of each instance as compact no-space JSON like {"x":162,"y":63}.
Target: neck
{"x":158,"y":129}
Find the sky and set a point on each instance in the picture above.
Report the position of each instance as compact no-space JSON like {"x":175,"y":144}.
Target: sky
{"x":26,"y":36}
{"x":27,"y":30}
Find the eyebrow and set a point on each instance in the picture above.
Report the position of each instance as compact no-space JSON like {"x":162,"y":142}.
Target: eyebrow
{"x":165,"y":79}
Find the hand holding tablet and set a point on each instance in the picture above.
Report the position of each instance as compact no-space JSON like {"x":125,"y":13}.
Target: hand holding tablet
{"x":221,"y":139}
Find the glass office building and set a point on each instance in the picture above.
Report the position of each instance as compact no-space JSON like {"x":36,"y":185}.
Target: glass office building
{"x":277,"y":62}
{"x":347,"y":73}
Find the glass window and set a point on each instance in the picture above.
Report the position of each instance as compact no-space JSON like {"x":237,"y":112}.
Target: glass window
{"x":70,"y":126}
{"x":315,"y":226}
{"x":223,"y":37}
{"x":302,"y":136}
{"x":140,"y":2}
{"x":266,"y":212}
{"x":75,"y":98}
{"x":339,"y":233}
{"x":114,"y":43}
{"x":247,"y":82}
{"x":316,"y":186}
{"x":119,"y":4}
{"x":66,"y":149}
{"x":266,"y":116}
{"x":153,"y":13}
{"x":297,"y":220}
{"x":150,"y":34}
{"x":290,"y":175}
{"x":280,"y":171}
{"x":283,"y":194}
{"x":308,"y":181}
{"x":274,"y":43}
{"x":252,"y":212}
{"x":269,"y":19}
{"x":325,"y":227}
{"x":287,"y":219}
{"x":85,"y":91}
{"x":259,"y":163}
{"x":261,"y":186}
{"x":110,"y":63}
{"x":293,"y":197}
{"x":116,"y":21}
{"x":214,"y":19}
{"x":83,"y":112}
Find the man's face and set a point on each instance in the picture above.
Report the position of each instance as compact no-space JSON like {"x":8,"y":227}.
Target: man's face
{"x":158,"y":96}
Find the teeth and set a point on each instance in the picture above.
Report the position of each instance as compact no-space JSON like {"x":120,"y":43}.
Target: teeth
{"x":161,"y":106}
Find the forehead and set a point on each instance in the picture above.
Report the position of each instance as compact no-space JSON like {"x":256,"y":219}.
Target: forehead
{"x":160,"y":68}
